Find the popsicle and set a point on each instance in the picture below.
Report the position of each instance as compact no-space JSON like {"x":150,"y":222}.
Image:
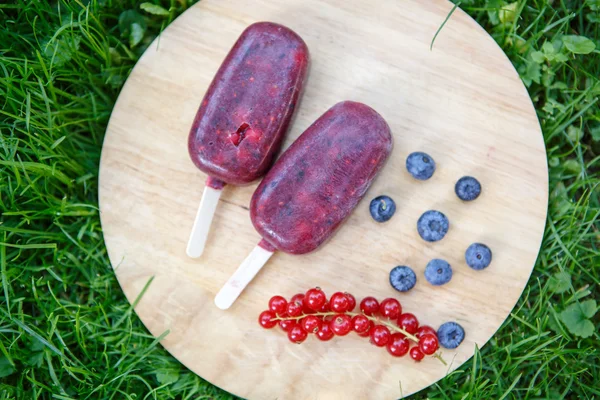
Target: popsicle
{"x":241,"y":121}
{"x":313,"y":187}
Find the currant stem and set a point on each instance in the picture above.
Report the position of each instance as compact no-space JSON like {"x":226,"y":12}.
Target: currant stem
{"x":352,"y":314}
{"x":319,"y":314}
{"x":389,"y":325}
{"x":438,"y":355}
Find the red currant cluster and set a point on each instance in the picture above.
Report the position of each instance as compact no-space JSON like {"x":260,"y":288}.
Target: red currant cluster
{"x":313,"y":313}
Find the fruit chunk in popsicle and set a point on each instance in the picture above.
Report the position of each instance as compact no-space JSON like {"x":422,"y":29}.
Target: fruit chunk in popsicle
{"x":240,"y":124}
{"x":313,"y":187}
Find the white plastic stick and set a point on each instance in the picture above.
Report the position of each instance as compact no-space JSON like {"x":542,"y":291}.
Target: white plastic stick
{"x":242,"y":277}
{"x":204,"y":217}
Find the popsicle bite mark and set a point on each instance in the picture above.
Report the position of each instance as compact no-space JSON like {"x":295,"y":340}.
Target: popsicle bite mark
{"x":239,"y":135}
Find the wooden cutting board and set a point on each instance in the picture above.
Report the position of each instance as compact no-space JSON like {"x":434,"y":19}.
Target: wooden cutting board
{"x":461,"y":102}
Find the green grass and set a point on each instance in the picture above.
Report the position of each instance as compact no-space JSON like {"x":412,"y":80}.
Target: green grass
{"x":66,"y":329}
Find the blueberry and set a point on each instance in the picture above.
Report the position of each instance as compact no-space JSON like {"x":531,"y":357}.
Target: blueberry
{"x":467,"y":188}
{"x":432,"y":226}
{"x":382,"y":208}
{"x":402,"y":278}
{"x":420,"y":165}
{"x":450,"y":335}
{"x":438,"y":272}
{"x":478,"y":256}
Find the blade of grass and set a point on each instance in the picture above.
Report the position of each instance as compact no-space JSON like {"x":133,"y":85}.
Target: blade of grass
{"x":443,"y":23}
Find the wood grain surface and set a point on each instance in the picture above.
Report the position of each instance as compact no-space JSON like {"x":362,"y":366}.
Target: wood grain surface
{"x":462,"y":102}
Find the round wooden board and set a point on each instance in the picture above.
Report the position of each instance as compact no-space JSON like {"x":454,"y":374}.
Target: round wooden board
{"x":463,"y":103}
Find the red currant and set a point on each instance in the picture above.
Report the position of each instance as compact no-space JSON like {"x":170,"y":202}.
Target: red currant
{"x":265,"y":319}
{"x":278,"y":305}
{"x":369,"y":305}
{"x":390,"y":308}
{"x":341,"y":324}
{"x":416,"y":354}
{"x":351,"y":301}
{"x":297,"y":297}
{"x":297,"y":334}
{"x":380,"y":335}
{"x":325,"y":333}
{"x":424,"y":330}
{"x":339,"y":302}
{"x":287,"y":324}
{"x":311,"y":323}
{"x":327,"y":318}
{"x":325,"y":308}
{"x":397,"y":345}
{"x":295,"y":306}
{"x":307,"y":310}
{"x":408,"y":322}
{"x":314,"y":299}
{"x":428,"y":344}
{"x":361,"y":324}
{"x":367,"y":333}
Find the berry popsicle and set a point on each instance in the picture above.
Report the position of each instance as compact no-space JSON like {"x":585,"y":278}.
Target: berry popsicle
{"x":240,"y":124}
{"x":313,"y":187}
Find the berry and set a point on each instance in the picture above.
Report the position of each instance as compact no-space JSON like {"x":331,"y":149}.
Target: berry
{"x":368,"y":332}
{"x":380,"y":335}
{"x":297,"y":297}
{"x":314,"y":299}
{"x":278,"y":305}
{"x":325,"y":308}
{"x":341,"y":324}
{"x":408,"y":322}
{"x":390,"y":308}
{"x":325,"y":333}
{"x":339,"y":302}
{"x":369,"y":305}
{"x":297,"y":334}
{"x":295,"y":307}
{"x":467,"y":188}
{"x":416,"y":354}
{"x":424,"y":330}
{"x":397,"y":345}
{"x":402,"y":278}
{"x":351,"y":301}
{"x":450,"y":335}
{"x":420,"y":165}
{"x":432,"y":226}
{"x":307,"y":310}
{"x":428,"y":344}
{"x":438,"y":272}
{"x":361,"y":324}
{"x":265,"y":319}
{"x":311,"y":323}
{"x":382,"y":208}
{"x":478,"y":256}
{"x":287,"y":324}
{"x":327,"y":318}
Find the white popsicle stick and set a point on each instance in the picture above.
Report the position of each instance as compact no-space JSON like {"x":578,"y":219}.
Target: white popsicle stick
{"x":204,"y":217}
{"x":242,"y":277}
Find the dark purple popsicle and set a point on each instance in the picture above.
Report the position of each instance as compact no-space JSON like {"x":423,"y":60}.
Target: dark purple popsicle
{"x":320,"y":178}
{"x":240,"y":124}
{"x":246,"y":111}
